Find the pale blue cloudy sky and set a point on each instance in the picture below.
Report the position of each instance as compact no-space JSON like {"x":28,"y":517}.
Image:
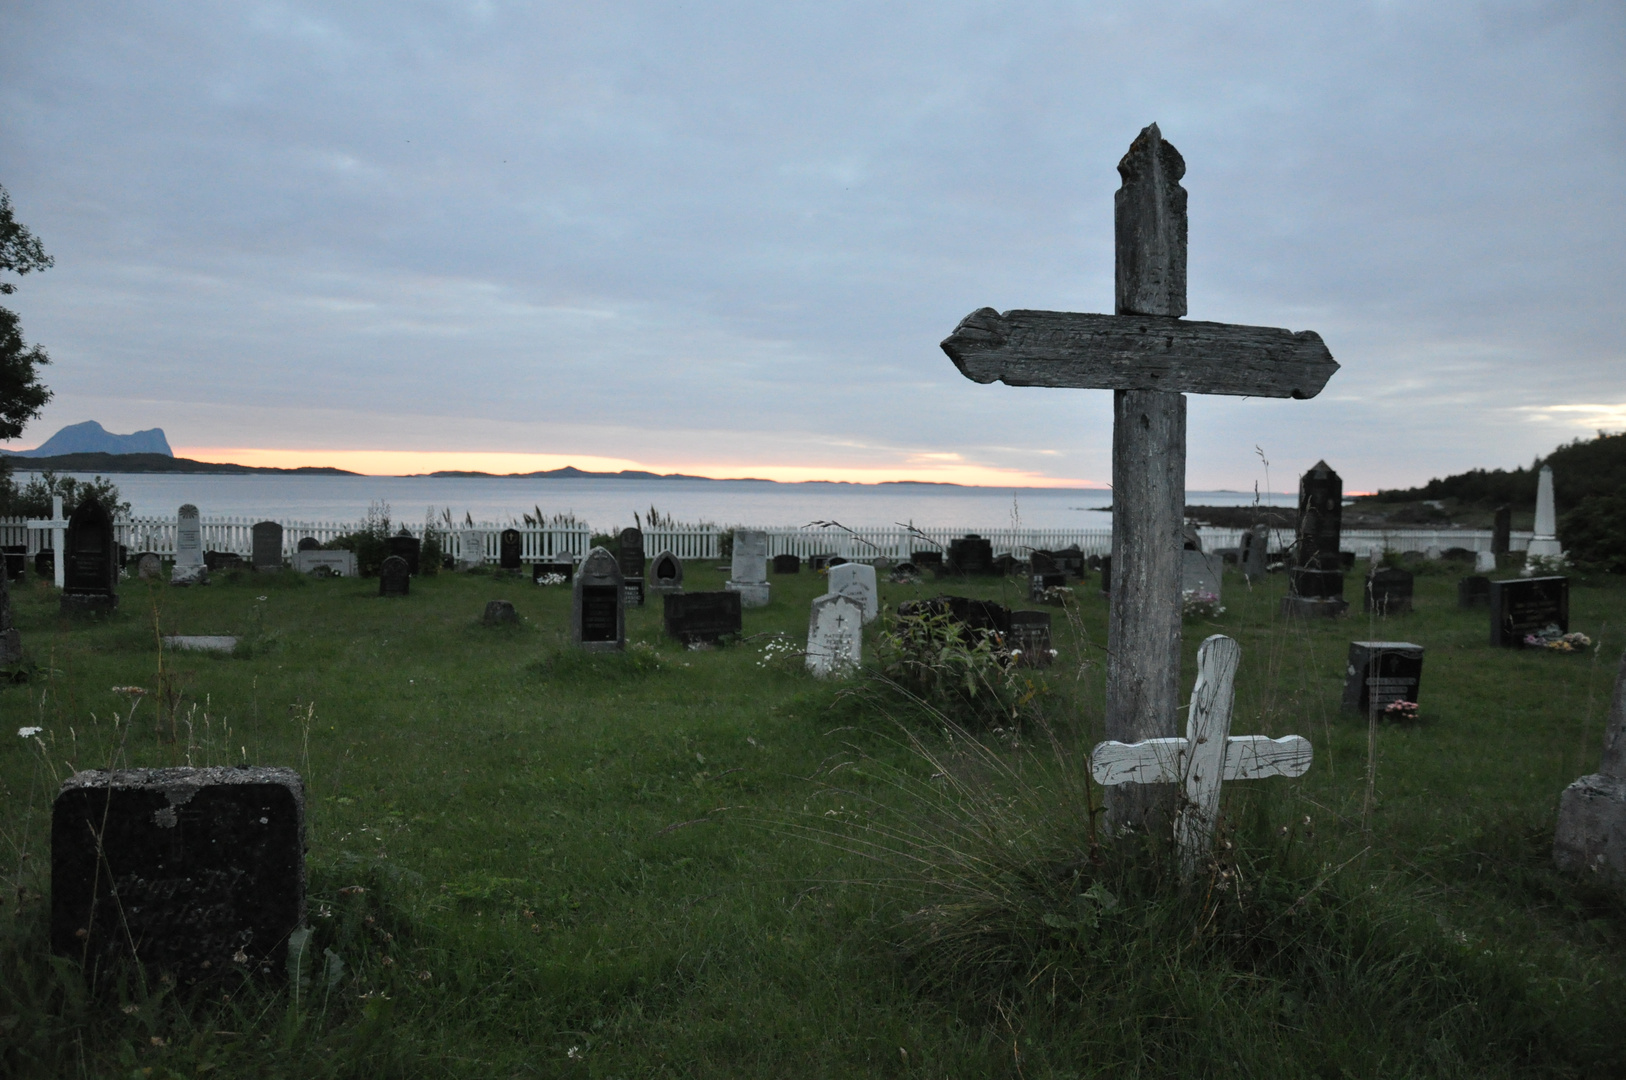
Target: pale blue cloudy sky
{"x":727,"y":238}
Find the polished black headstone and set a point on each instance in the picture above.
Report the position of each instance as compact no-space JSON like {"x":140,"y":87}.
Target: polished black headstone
{"x":702,"y":616}
{"x":267,"y":545}
{"x":566,"y":570}
{"x":970,"y":554}
{"x":508,"y":549}
{"x":309,"y":543}
{"x":1038,"y":583}
{"x":630,"y":544}
{"x":90,"y":572}
{"x":1380,"y":672}
{"x":1528,"y":606}
{"x":787,"y":564}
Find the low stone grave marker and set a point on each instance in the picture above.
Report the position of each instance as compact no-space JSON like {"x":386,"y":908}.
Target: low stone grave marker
{"x":327,"y":563}
{"x":787,"y":564}
{"x":394,"y":579}
{"x":191,"y":566}
{"x":970,"y":555}
{"x":307,"y":543}
{"x":199,"y":872}
{"x":835,"y":635}
{"x":1473,"y":592}
{"x":149,"y":567}
{"x":819,"y":562}
{"x":16,"y":560}
{"x":1208,"y":755}
{"x":1029,"y":638}
{"x":1380,"y":673}
{"x":564,"y":571}
{"x":857,"y":580}
{"x":91,"y":573}
{"x":597,"y":604}
{"x":222,"y":560}
{"x":1528,"y":606}
{"x":11,"y":639}
{"x":1389,"y":590}
{"x":905,"y":573}
{"x":508,"y":549}
{"x":927,"y":560}
{"x":702,"y":617}
{"x":215,"y":643}
{"x":406,"y":548}
{"x":499,"y":613}
{"x":748,"y":573}
{"x":267,"y":546}
{"x":666,"y":574}
{"x":1484,"y":562}
{"x":1591,"y":836}
{"x":632,"y":592}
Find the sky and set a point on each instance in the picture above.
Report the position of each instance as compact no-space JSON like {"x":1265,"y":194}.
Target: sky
{"x":726,"y":239}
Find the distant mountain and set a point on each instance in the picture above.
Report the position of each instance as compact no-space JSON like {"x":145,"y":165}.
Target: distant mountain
{"x":160,"y":463}
{"x":571,"y":472}
{"x":91,"y":438}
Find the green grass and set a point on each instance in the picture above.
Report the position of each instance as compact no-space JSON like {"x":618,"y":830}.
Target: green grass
{"x":643,"y":865}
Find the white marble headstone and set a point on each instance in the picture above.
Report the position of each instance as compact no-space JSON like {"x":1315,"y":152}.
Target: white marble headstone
{"x":471,"y":549}
{"x":835,"y":635}
{"x":857,"y":580}
{"x":1545,"y":541}
{"x":1485,"y":562}
{"x":189,"y":566}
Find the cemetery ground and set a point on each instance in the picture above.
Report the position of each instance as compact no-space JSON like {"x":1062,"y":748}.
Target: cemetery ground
{"x":526,"y":861}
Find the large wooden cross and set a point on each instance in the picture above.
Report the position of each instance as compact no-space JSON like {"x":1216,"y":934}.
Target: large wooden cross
{"x":1151,"y":358}
{"x":58,"y":525}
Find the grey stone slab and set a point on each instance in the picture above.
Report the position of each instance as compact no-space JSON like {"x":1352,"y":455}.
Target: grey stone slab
{"x":220,"y":643}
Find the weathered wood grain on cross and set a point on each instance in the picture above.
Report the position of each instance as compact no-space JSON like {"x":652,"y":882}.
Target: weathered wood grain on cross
{"x":1151,"y":358}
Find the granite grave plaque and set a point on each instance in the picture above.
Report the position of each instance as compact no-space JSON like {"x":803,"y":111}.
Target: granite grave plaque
{"x":702,"y":616}
{"x":1029,"y":638}
{"x":1528,"y":606}
{"x":787,"y":564}
{"x":1381,"y":672}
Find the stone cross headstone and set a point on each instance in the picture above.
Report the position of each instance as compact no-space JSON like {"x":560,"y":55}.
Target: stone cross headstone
{"x":1315,"y":582}
{"x":509,"y":549}
{"x":1029,"y":638}
{"x":1544,"y":543}
{"x":1150,"y":358}
{"x":267,"y":536}
{"x":1207,"y":755}
{"x":190,"y":568}
{"x":787,"y":564}
{"x":201,"y":872}
{"x":1381,"y":672}
{"x":406,"y":548}
{"x":748,"y":573}
{"x":1591,"y":836}
{"x":597,"y":604}
{"x":835,"y":635}
{"x":11,"y":640}
{"x":1389,"y":590}
{"x":1528,"y":606}
{"x":857,"y":580}
{"x":58,"y":526}
{"x":701,"y":617}
{"x":91,"y":570}
{"x":666,"y":574}
{"x":394,"y":577}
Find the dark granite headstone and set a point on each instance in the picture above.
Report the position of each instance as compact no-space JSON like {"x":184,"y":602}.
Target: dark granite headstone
{"x":1042,"y":562}
{"x":1038,"y":583}
{"x":1473,"y":592}
{"x":499,"y":613}
{"x":702,"y":616}
{"x":1502,"y":531}
{"x":1315,"y":581}
{"x":834,"y":560}
{"x":787,"y":564}
{"x":630,"y":545}
{"x":508,"y":549}
{"x":970,"y":554}
{"x":927,"y":560}
{"x":223,"y":560}
{"x":200,"y":871}
{"x":1029,"y":636}
{"x":90,"y":572}
{"x":309,"y":543}
{"x":405,"y":548}
{"x":979,"y":615}
{"x":1528,"y":606}
{"x":11,"y":641}
{"x":1346,"y":561}
{"x":267,"y":545}
{"x":597,"y":606}
{"x":1381,"y":672}
{"x":16,"y":556}
{"x":1005,"y":564}
{"x":566,"y":570}
{"x":1389,"y":590}
{"x":666,"y":573}
{"x":394,"y":577}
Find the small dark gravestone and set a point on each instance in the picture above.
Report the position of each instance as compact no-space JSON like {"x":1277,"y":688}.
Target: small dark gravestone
{"x":201,"y":872}
{"x":597,"y":611}
{"x":1528,"y":606}
{"x":16,"y":556}
{"x":91,"y":569}
{"x":833,"y":561}
{"x":1389,"y":590}
{"x":983,"y":616}
{"x":1029,"y":638}
{"x":11,"y":641}
{"x":223,"y":560}
{"x":666,"y":573}
{"x":1042,"y":562}
{"x":1346,"y":561}
{"x":702,"y":616}
{"x":1381,"y":672}
{"x":394,"y":579}
{"x":1005,"y":564}
{"x":632,"y":592}
{"x":508,"y":549}
{"x":45,"y":564}
{"x":971,"y":554}
{"x":565,"y":571}
{"x":405,"y":548}
{"x":905,"y":573}
{"x":630,"y":544}
{"x":1473,"y":592}
{"x":309,"y":543}
{"x":1502,"y":531}
{"x":927,"y":560}
{"x":267,"y":546}
{"x":787,"y":564}
{"x":1038,"y":583}
{"x":499,"y":613}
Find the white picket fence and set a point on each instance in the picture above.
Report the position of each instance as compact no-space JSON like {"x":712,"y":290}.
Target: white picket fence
{"x":547,"y":543}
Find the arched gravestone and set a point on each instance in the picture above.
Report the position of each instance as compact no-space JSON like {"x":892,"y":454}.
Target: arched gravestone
{"x":597,"y":604}
{"x":508,"y":549}
{"x":309,"y":543}
{"x":267,"y":546}
{"x":91,"y":571}
{"x":666,"y":574}
{"x":787,"y":564}
{"x":394,"y":579}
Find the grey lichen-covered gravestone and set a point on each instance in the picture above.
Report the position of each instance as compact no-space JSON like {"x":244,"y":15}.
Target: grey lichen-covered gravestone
{"x":1591,"y":833}
{"x":267,"y":548}
{"x":149,"y":567}
{"x":835,"y":635}
{"x":1150,"y":358}
{"x":857,"y":580}
{"x":598,"y":621}
{"x":91,"y":570}
{"x":190,"y":568}
{"x":393,"y":577}
{"x":748,"y":569}
{"x":197,"y":872}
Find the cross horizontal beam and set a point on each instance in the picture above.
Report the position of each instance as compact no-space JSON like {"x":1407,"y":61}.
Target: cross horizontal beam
{"x":1138,"y":352}
{"x":1163,"y":761}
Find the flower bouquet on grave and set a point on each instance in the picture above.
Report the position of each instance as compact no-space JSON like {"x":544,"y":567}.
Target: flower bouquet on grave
{"x":1401,"y":712}
{"x":1056,"y":595}
{"x":1195,"y":604}
{"x":551,"y":579}
{"x":1555,"y":639}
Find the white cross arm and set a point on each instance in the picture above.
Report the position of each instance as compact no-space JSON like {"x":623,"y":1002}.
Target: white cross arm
{"x":1163,"y":761}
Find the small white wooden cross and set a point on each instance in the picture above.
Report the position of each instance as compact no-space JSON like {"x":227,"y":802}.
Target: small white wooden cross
{"x":57,"y":525}
{"x":1207,"y":755}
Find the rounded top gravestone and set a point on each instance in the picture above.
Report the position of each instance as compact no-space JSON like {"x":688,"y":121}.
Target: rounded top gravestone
{"x":394,"y":579}
{"x":598,"y":604}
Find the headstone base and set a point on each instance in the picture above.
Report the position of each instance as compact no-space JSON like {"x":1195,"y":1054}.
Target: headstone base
{"x":665,"y":590}
{"x":189,"y":575}
{"x":1592,"y":827}
{"x":752,"y":593}
{"x":1310,"y":607}
{"x":87,"y":603}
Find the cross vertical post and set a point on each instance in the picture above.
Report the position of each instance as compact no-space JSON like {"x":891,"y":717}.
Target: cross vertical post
{"x":57,"y":525}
